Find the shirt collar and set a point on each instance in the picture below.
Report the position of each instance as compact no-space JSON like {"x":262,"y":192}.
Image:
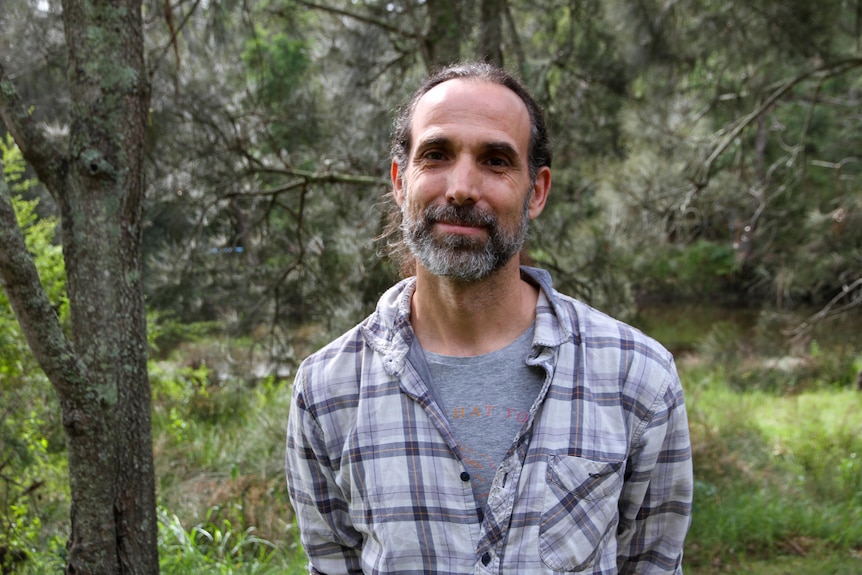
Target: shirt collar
{"x":388,"y":330}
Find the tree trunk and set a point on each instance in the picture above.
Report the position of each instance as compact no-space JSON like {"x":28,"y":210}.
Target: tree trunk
{"x":442,"y":42}
{"x":491,"y":31}
{"x":100,"y":376}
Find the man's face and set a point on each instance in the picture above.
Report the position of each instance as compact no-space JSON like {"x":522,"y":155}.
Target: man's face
{"x":465,"y":194}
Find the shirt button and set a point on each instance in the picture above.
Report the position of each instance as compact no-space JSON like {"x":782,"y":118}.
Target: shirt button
{"x":465,"y":476}
{"x":486,"y":558}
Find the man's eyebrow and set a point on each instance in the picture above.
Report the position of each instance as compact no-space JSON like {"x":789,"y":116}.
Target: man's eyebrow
{"x":433,"y":141}
{"x":504,"y":147}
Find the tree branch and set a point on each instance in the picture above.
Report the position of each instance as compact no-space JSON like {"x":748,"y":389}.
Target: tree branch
{"x":360,"y":18}
{"x":517,"y":46}
{"x":174,"y":32}
{"x":36,"y":316}
{"x":701,"y":175}
{"x":828,"y":312}
{"x":46,"y":159}
{"x":323,"y":177}
{"x":255,"y":165}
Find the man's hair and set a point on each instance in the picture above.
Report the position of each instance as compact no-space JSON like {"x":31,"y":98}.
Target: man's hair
{"x":539,"y":153}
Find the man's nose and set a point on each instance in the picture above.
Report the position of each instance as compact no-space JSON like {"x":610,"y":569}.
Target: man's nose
{"x":464,"y":183}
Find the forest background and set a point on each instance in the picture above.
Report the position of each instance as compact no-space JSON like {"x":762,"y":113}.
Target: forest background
{"x":706,"y":188}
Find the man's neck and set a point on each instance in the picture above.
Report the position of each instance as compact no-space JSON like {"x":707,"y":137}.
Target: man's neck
{"x":472,"y":318}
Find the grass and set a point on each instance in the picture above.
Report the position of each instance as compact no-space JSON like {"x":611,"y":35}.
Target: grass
{"x":221,"y":548}
{"x":778,"y":478}
{"x":219,"y":444}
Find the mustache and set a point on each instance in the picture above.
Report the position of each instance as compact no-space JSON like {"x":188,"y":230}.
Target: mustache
{"x":459,"y":215}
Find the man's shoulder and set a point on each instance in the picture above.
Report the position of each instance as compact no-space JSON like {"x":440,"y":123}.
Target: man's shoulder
{"x":347,"y":344}
{"x":596,"y":328}
{"x":611,"y":345}
{"x":576,"y":317}
{"x":336,"y":366}
{"x":327,"y":382}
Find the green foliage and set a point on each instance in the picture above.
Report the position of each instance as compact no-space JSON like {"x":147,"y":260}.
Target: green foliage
{"x":573,"y":247}
{"x":33,"y":485}
{"x":14,"y":168}
{"x":776,"y":440}
{"x":276,"y":64}
{"x":38,"y":235}
{"x":688,"y":271}
{"x":24,"y":453}
{"x":756,"y":352}
{"x":703,"y":69}
{"x":165,"y":331}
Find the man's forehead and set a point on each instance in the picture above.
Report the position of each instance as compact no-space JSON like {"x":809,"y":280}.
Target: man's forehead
{"x":471,"y":101}
{"x":461,"y":88}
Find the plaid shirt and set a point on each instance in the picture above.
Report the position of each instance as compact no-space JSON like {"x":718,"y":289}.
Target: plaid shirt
{"x":598,"y":480}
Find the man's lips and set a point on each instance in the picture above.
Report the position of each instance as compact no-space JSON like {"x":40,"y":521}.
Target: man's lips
{"x":459,"y":228}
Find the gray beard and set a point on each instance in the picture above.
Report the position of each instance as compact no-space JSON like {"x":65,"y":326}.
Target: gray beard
{"x":459,"y":257}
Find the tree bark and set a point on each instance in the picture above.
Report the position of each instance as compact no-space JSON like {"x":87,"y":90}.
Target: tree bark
{"x":442,"y":42}
{"x":491,"y":31}
{"x":100,"y":376}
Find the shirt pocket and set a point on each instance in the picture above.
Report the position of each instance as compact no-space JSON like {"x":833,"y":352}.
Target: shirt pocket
{"x":579,"y":510}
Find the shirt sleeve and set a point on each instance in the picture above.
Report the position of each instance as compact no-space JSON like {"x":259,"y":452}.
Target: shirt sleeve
{"x":655,"y":506}
{"x":327,"y":535}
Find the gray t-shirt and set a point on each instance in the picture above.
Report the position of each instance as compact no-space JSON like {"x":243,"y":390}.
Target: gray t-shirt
{"x":486,"y":399}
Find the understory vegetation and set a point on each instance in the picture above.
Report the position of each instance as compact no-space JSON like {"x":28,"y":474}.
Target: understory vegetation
{"x":777,"y":443}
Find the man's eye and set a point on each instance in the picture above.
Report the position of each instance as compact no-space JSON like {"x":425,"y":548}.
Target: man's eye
{"x":433,"y":155}
{"x":498,"y":162}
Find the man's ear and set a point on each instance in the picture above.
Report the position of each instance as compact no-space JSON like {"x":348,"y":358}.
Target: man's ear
{"x":541,"y":189}
{"x":397,"y":183}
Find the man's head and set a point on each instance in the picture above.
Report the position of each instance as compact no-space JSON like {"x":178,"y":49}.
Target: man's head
{"x":471,"y":167}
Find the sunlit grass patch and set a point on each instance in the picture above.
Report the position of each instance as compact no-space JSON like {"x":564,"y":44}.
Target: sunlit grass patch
{"x":776,"y":475}
{"x":219,"y":547}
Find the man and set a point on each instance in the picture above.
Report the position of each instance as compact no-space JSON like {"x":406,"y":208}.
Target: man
{"x":479,"y":421}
